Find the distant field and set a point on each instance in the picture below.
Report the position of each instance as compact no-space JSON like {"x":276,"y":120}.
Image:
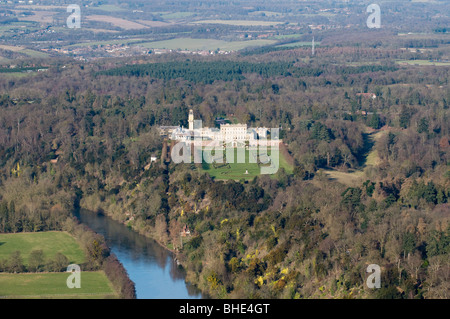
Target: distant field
{"x":112,"y":42}
{"x":423,"y":62}
{"x":153,"y":23}
{"x":110,"y":8}
{"x":428,"y":36}
{"x":50,"y":242}
{"x":40,"y":16}
{"x":15,"y":75}
{"x":11,"y":27}
{"x":29,"y":52}
{"x":40,"y":7}
{"x":239,"y":22}
{"x":175,"y":15}
{"x":204,"y":44}
{"x":94,"y":285}
{"x":11,"y":47}
{"x":298,"y":44}
{"x":118,"y":22}
{"x":34,"y":54}
{"x":285,"y":36}
{"x":265,"y":13}
{"x":320,"y":14}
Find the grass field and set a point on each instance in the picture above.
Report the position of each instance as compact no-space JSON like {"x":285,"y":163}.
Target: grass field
{"x":15,"y":75}
{"x":49,"y":242}
{"x":175,"y":15}
{"x":38,"y":16}
{"x":94,"y":285}
{"x":34,"y":54}
{"x":118,"y":22}
{"x":109,"y":8}
{"x":20,"y":49}
{"x":237,"y":171}
{"x":423,"y":62}
{"x":204,"y":44}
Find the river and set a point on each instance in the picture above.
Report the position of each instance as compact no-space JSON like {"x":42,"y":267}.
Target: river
{"x":150,"y":266}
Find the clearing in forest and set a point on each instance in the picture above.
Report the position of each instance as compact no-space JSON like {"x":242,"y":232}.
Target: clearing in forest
{"x":369,"y":158}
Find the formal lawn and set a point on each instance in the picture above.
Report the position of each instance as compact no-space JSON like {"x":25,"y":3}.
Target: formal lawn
{"x":239,"y":169}
{"x":94,"y":285}
{"x":49,"y":242}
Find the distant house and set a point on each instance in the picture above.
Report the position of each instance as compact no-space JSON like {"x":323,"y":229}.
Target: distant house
{"x":186,"y":231}
{"x":153,"y":159}
{"x":228,"y":133}
{"x":167,"y":130}
{"x":367,"y":95}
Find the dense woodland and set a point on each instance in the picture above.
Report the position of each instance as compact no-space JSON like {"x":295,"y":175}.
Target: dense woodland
{"x":81,"y":135}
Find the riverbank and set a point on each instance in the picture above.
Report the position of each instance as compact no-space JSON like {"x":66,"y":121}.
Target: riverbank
{"x":140,"y":252}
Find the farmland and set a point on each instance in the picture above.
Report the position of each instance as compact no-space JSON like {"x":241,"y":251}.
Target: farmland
{"x":94,"y":285}
{"x":49,"y":242}
{"x":204,"y":44}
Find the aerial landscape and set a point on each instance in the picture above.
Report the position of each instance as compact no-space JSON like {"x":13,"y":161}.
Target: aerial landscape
{"x":225,"y":150}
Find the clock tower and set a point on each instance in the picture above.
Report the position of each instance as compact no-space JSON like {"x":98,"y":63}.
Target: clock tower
{"x":191,"y":120}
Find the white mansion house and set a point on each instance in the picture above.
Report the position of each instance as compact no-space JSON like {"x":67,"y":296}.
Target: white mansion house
{"x":234,"y":134}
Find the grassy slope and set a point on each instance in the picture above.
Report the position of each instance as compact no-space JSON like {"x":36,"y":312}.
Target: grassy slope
{"x":355,"y":177}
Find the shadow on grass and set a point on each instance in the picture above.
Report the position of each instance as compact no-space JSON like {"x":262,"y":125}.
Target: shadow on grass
{"x":369,"y":142}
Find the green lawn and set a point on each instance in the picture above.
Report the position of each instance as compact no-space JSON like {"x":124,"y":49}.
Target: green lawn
{"x":237,"y":171}
{"x":94,"y":285}
{"x":50,"y":242}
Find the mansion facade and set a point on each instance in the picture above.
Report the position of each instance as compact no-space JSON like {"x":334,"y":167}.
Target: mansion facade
{"x":234,"y":134}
